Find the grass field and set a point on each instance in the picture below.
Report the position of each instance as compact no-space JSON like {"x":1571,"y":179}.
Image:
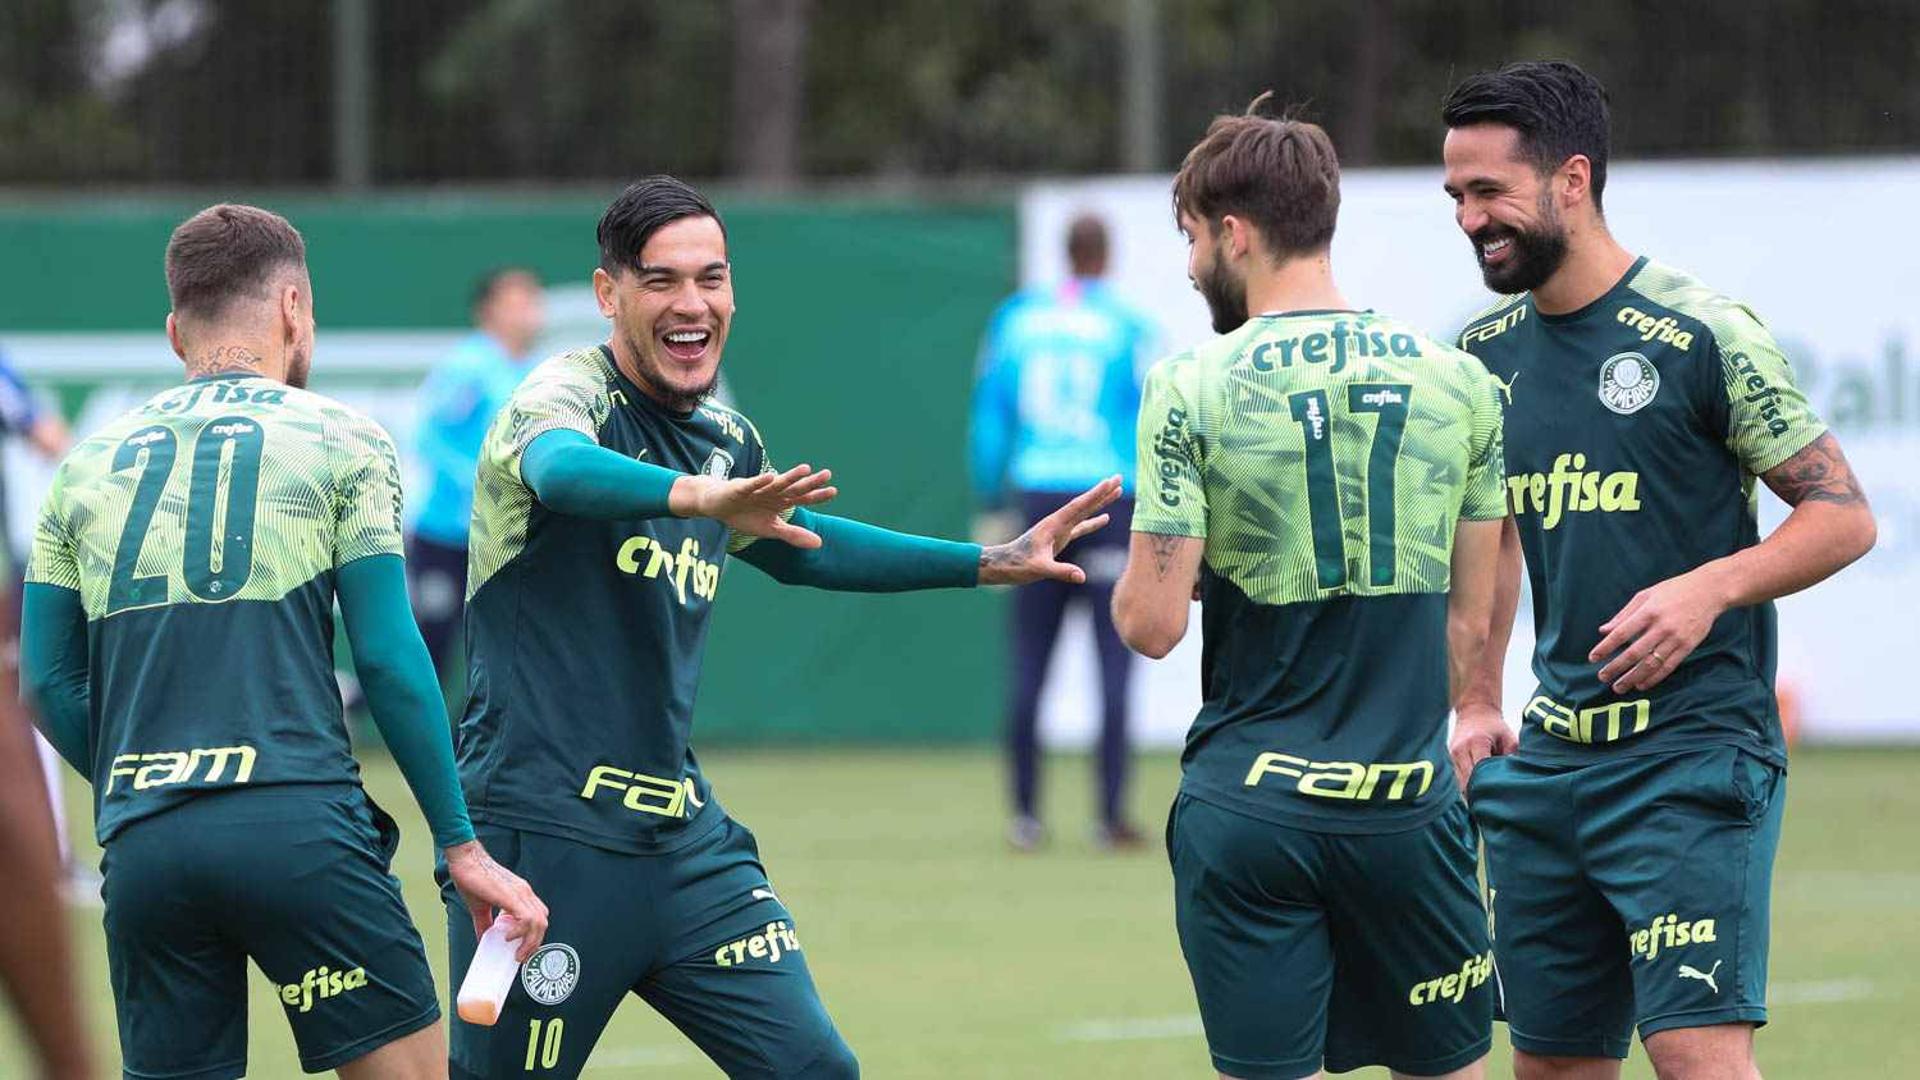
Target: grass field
{"x":942,"y":954}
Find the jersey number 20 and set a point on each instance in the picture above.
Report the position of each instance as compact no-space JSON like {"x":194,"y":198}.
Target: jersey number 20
{"x":1390,"y":401}
{"x":218,"y":557}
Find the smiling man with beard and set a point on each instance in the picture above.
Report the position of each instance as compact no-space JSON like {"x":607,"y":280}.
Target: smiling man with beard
{"x":611,"y":492}
{"x":1648,"y":782}
{"x":1332,"y":479}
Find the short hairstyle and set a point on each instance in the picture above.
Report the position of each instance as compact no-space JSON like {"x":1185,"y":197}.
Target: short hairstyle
{"x":643,"y":209}
{"x":1278,"y":173}
{"x":1558,"y":110}
{"x":489,"y":283}
{"x":229,"y":252}
{"x":1087,"y":241}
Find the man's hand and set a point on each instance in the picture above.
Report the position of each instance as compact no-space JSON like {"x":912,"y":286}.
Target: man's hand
{"x":1031,"y":556}
{"x":1657,"y":630}
{"x":486,"y":885}
{"x":756,"y":505}
{"x":1479,"y":732}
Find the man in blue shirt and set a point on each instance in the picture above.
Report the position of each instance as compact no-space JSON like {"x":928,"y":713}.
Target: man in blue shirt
{"x":1053,"y":412}
{"x":457,"y":403}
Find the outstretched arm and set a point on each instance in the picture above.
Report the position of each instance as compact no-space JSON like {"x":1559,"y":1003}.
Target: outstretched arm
{"x":571,"y":474}
{"x":1155,"y":591}
{"x":404,"y":695}
{"x":1829,"y":527}
{"x":53,"y":669}
{"x":856,"y":557}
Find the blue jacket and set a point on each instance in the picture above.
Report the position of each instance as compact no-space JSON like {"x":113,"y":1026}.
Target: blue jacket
{"x":457,"y":405}
{"x":1059,"y":389}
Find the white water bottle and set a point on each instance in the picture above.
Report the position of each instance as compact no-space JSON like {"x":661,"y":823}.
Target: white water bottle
{"x":483,"y":993}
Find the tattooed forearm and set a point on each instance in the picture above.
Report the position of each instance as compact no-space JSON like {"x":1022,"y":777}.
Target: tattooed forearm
{"x":224,"y":359}
{"x":1164,"y":548}
{"x":1818,"y":473}
{"x":998,"y":560}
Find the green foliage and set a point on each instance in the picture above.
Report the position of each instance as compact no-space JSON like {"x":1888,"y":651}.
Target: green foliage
{"x":470,"y":90}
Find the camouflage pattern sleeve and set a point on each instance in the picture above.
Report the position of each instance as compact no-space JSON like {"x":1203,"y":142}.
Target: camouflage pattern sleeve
{"x":567,"y":393}
{"x":368,"y":496}
{"x":1486,"y":494}
{"x":53,"y":560}
{"x":1172,"y":499}
{"x":1769,"y":418}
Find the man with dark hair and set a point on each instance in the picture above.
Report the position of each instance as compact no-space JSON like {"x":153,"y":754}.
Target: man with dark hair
{"x":611,"y":491}
{"x":1630,"y":835}
{"x":457,"y":404}
{"x":1332,"y":480}
{"x":1053,"y":412}
{"x":179,"y":643}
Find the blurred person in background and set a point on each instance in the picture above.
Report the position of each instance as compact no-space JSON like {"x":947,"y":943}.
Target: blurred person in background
{"x":1053,"y":413}
{"x":457,"y":403}
{"x":46,"y":434}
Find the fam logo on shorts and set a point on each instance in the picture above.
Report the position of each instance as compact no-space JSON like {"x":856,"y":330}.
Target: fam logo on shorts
{"x":551,"y":973}
{"x":1628,"y":382}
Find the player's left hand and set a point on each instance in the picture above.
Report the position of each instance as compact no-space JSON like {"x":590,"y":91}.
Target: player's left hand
{"x":1032,"y":555}
{"x":486,"y":885}
{"x":1657,"y":630}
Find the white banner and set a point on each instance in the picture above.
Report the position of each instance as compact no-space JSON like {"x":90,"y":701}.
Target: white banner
{"x":1827,"y":252}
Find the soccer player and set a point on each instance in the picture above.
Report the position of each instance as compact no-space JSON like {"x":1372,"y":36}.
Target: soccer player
{"x":457,"y":405}
{"x":611,"y":492}
{"x":1332,"y":480}
{"x":1052,"y":413}
{"x":179,"y":641}
{"x":1630,"y":837}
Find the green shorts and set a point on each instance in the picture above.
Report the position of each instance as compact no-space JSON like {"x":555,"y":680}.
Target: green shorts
{"x":1633,"y":891}
{"x":293,"y":876}
{"x":696,"y":933}
{"x":1313,"y":949}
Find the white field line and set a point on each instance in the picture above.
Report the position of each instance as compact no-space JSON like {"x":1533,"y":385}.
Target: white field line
{"x":1801,"y":992}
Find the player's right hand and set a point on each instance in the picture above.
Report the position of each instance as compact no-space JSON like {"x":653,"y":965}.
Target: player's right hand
{"x":756,"y":505}
{"x":486,"y":885}
{"x":1479,"y":732}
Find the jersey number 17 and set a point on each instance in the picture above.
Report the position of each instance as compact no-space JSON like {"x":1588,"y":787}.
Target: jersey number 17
{"x":1390,"y":402}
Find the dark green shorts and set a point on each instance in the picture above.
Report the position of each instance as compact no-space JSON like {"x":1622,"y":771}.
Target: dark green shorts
{"x":1633,"y":891}
{"x":696,"y":933}
{"x":294,"y":877}
{"x":1312,"y":949}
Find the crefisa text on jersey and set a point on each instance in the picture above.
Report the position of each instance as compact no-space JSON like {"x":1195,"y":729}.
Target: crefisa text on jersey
{"x":1333,"y":348}
{"x":224,"y":393}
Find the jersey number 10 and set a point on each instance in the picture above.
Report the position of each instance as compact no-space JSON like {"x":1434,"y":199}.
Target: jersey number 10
{"x":220,"y":504}
{"x":1390,"y":401}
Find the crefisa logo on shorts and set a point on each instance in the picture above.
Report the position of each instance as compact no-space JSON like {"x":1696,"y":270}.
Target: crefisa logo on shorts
{"x":1628,"y":381}
{"x":551,"y":973}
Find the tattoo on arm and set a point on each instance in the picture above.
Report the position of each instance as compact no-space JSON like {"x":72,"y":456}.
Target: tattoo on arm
{"x":1015,"y":551}
{"x":1818,"y":473}
{"x":225,"y":359}
{"x":1164,"y":548}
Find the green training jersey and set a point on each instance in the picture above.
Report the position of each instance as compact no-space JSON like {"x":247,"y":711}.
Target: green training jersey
{"x":202,"y":531}
{"x":1635,"y":428}
{"x":584,"y":637}
{"x":1326,"y":458}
